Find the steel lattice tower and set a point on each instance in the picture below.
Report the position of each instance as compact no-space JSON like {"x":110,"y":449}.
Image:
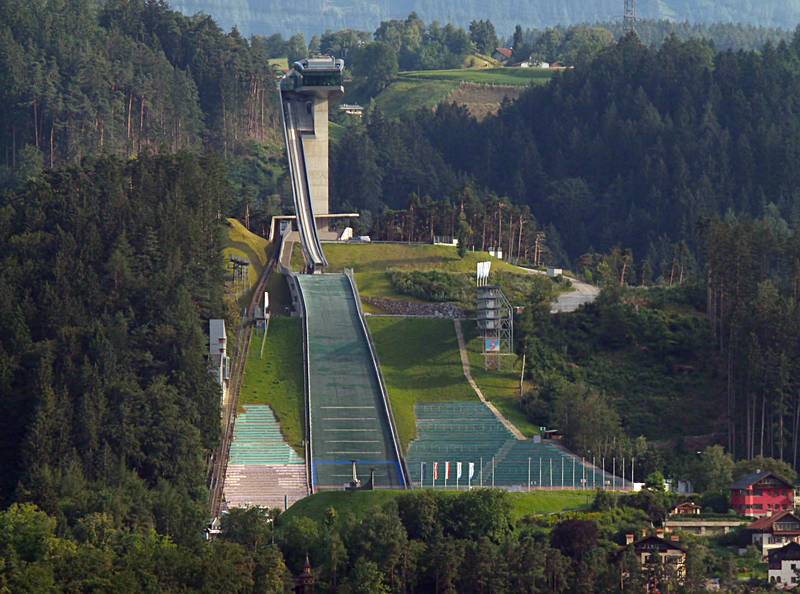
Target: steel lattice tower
{"x":629,"y":17}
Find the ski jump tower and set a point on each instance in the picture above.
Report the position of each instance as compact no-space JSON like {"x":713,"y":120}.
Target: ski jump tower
{"x":306,"y":92}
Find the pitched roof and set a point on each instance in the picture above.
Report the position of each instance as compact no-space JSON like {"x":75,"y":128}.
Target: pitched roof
{"x":507,"y":52}
{"x":791,"y":552}
{"x":764,"y":524}
{"x":661,"y":542}
{"x":752,"y":479}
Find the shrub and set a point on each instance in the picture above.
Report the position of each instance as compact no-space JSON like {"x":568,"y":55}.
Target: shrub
{"x":431,"y":285}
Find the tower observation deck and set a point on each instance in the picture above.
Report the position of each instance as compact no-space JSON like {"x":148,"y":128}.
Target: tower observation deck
{"x":305,"y":95}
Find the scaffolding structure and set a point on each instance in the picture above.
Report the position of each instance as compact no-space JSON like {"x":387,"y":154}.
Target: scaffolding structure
{"x":496,"y":323}
{"x":239,"y":274}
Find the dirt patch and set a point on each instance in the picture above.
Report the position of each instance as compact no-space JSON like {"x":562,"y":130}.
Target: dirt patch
{"x":483,"y":100}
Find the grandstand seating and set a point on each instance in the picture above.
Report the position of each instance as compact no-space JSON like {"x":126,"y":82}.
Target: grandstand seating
{"x":469,"y":432}
{"x":262,"y":469}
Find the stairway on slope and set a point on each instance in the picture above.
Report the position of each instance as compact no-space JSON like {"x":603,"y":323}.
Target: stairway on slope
{"x":263,"y":470}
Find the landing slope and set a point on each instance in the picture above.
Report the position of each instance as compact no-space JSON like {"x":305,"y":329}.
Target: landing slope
{"x":349,"y":420}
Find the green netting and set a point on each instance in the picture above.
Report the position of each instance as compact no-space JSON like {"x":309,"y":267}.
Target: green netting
{"x":348,"y":418}
{"x":257,"y":439}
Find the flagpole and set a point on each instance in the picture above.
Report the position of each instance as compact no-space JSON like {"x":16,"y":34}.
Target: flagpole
{"x":603,"y":474}
{"x":573,"y":472}
{"x":421,"y":474}
{"x":446,"y":468}
{"x":540,"y":472}
{"x":529,"y":473}
{"x":551,"y":472}
{"x":632,"y":479}
{"x":481,"y":471}
{"x":562,"y":472}
{"x":492,"y":472}
{"x":613,"y":472}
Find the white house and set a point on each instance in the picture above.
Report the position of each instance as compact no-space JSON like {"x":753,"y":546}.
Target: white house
{"x":784,"y":566}
{"x":554,"y":272}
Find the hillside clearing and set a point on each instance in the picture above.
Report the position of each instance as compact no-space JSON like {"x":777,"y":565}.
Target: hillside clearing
{"x":241,"y":243}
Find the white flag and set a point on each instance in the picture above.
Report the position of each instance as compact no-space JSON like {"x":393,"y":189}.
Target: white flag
{"x":446,"y":470}
{"x":471,"y":470}
{"x":458,"y":470}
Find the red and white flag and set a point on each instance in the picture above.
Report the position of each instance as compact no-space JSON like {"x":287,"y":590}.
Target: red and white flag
{"x":447,"y":471}
{"x":435,"y":471}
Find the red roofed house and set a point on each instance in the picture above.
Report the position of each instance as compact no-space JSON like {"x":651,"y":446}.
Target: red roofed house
{"x":761,"y":494}
{"x":775,"y":531}
{"x":503,"y":54}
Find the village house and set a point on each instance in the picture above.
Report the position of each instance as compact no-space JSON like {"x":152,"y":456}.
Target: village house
{"x":775,"y":531}
{"x":658,"y":558}
{"x":761,"y":494}
{"x":503,"y":54}
{"x":784,"y":566}
{"x":687,"y":508}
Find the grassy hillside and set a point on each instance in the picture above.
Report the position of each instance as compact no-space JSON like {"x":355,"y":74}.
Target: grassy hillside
{"x":499,"y":387}
{"x":420,"y":363}
{"x":276,"y":378}
{"x":427,"y":88}
{"x":489,"y":76}
{"x":241,"y":243}
{"x":409,"y":95}
{"x":361,"y":503}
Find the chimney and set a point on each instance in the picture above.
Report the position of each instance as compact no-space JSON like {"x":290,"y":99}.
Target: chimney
{"x":660,"y":532}
{"x":629,"y":538}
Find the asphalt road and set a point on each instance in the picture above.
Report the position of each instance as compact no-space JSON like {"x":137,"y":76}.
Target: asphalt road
{"x":580,"y":294}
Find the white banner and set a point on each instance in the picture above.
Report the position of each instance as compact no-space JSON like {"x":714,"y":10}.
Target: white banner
{"x":458,"y":470}
{"x":471,"y":470}
{"x":446,"y":470}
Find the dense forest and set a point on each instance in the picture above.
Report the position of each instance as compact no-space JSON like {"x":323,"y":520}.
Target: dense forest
{"x":108,"y":272}
{"x":637,"y":148}
{"x":312,"y":17}
{"x":79,"y":80}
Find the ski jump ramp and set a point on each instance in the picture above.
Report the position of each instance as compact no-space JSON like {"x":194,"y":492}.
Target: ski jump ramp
{"x":349,"y":414}
{"x":347,"y":409}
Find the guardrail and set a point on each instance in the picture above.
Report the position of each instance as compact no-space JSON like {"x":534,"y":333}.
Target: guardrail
{"x":309,"y":451}
{"x":348,"y":272}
